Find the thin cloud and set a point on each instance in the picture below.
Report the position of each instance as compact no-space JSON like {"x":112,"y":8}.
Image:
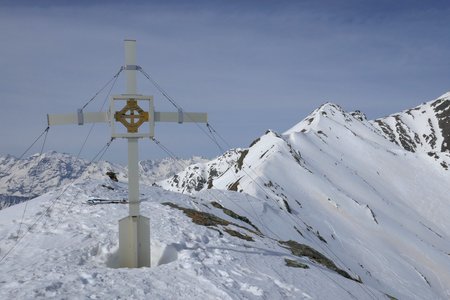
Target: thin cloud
{"x":269,"y":64}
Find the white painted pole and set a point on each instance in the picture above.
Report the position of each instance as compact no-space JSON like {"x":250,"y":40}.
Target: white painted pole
{"x":133,"y":155}
{"x":134,"y":230}
{"x":130,"y":65}
{"x":133,"y":176}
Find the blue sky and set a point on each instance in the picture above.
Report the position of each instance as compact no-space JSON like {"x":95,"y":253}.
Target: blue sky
{"x":252,"y":65}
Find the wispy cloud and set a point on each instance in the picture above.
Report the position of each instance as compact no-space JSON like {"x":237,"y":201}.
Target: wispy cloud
{"x":252,"y":66}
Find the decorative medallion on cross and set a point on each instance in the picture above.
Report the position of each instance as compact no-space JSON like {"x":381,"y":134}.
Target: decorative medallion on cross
{"x":131,"y":116}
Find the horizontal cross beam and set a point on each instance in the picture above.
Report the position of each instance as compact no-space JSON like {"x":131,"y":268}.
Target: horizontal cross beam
{"x":183,"y":117}
{"x":81,"y":118}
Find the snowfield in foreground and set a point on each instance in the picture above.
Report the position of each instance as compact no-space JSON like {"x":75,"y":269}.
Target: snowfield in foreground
{"x":72,"y":252}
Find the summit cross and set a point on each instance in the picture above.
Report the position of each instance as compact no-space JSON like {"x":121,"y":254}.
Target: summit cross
{"x":134,"y":229}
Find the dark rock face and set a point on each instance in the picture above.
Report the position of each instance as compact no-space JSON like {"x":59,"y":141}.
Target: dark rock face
{"x":442,"y":110}
{"x":423,"y":128}
{"x":406,"y":140}
{"x":7,"y":201}
{"x":387,"y":130}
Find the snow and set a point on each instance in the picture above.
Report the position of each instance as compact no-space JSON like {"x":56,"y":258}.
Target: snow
{"x":334,"y":182}
{"x":72,"y":253}
{"x":445,"y":96}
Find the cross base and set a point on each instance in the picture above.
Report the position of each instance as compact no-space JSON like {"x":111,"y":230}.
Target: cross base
{"x":134,"y":242}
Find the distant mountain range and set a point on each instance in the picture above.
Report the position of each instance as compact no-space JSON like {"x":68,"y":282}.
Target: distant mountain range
{"x":28,"y":178}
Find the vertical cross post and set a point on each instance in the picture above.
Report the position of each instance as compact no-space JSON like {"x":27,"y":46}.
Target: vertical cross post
{"x":134,"y":230}
{"x":130,"y":66}
{"x":133,"y":153}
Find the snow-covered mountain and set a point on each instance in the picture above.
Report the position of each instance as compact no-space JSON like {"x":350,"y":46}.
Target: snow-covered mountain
{"x":381,"y":207}
{"x":28,"y":178}
{"x":332,"y":208}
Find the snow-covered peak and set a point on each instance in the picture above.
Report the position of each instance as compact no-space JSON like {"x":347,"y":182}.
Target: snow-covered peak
{"x":424,"y":128}
{"x":359,"y":115}
{"x":310,"y":122}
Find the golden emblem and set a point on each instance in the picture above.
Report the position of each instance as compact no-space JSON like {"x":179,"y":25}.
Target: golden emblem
{"x":131,"y":116}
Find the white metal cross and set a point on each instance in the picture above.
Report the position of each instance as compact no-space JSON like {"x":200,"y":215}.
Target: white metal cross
{"x":134,"y":230}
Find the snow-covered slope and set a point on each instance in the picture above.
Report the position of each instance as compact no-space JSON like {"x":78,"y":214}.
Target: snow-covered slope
{"x":383,"y":210}
{"x":27,"y":178}
{"x":71,"y":250}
